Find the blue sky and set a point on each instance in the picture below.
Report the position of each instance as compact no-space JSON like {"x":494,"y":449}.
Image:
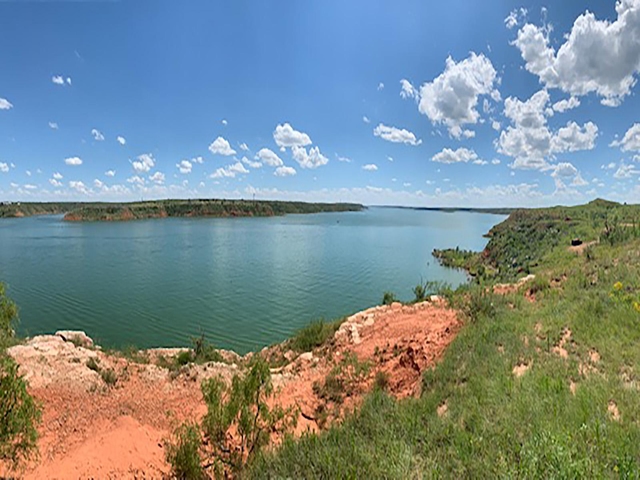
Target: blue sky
{"x":458,"y":103}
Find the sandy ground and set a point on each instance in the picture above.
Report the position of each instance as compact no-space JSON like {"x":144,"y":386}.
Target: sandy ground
{"x":92,"y":430}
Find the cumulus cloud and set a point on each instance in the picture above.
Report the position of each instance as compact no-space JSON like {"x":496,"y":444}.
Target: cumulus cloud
{"x":566,"y":104}
{"x":55,"y":182}
{"x":286,"y":136}
{"x":136,"y":180}
{"x":573,"y":138}
{"x":221,"y":146}
{"x":251,"y":163}
{"x":53,"y":125}
{"x":268,"y":157}
{"x":365,"y":119}
{"x":97,"y":135}
{"x":370,"y":167}
{"x":121,"y":140}
{"x":197,"y":159}
{"x":530,"y":142}
{"x":157,"y":178}
{"x":625,"y":171}
{"x":380,"y":86}
{"x":461,"y":155}
{"x":144,"y":163}
{"x":284,"y":171}
{"x":311,"y":159}
{"x":396,"y":135}
{"x":4,"y":168}
{"x":452,"y":97}
{"x":97,"y":183}
{"x":184,"y":166}
{"x":60,"y":80}
{"x":516,"y":17}
{"x":57,"y":176}
{"x":5,"y":104}
{"x":597,"y":56}
{"x":110,"y":173}
{"x":566,"y":171}
{"x":343,"y":159}
{"x":230,"y":171}
{"x":73,"y":161}
{"x":244,"y":147}
{"x":408,"y":90}
{"x":631,"y":140}
{"x":224,"y":122}
{"x":78,"y":186}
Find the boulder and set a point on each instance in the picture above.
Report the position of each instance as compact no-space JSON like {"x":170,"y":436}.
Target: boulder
{"x":77,"y":337}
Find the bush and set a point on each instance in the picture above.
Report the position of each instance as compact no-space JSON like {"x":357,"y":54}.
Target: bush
{"x":420,"y":292}
{"x":184,"y":454}
{"x":313,"y":335}
{"x":388,"y":298}
{"x":480,"y":303}
{"x":92,"y":364}
{"x":19,"y":413}
{"x":242,"y":408}
{"x":109,"y":376}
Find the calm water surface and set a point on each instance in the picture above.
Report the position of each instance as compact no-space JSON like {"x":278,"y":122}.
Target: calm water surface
{"x":244,"y":282}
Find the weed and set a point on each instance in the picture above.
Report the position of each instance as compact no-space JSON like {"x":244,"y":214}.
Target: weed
{"x":183,"y":454}
{"x":92,"y":364}
{"x":314,"y":335}
{"x":388,"y":298}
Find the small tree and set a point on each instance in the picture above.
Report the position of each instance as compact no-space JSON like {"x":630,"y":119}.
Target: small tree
{"x":241,"y":408}
{"x":19,"y":413}
{"x":184,"y":454}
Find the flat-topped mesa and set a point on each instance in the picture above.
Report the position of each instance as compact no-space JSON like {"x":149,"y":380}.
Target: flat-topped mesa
{"x":78,"y":212}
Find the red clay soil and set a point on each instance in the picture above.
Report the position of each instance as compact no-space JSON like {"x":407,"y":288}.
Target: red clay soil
{"x":90,"y":430}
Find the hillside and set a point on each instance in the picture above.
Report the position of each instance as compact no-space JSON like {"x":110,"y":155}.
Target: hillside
{"x":171,"y":208}
{"x":541,"y":382}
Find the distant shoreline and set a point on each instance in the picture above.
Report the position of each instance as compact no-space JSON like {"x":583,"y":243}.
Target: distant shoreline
{"x":124,"y":211}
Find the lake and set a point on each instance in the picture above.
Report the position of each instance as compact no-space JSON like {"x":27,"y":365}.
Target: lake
{"x":243,"y":282}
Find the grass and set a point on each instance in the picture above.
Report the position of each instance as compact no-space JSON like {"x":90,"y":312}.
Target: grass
{"x":315,"y":334}
{"x":554,"y":421}
{"x":108,"y":375}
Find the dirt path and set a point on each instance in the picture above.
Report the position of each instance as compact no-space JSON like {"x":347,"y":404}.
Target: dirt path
{"x":91,"y":430}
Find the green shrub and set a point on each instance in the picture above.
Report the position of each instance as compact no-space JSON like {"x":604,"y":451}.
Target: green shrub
{"x":184,"y":454}
{"x":8,"y":318}
{"x":109,"y":376}
{"x":242,"y":407}
{"x":381,"y":381}
{"x":481,"y":303}
{"x":314,"y":335}
{"x":92,"y":364}
{"x":388,"y":298}
{"x":420,"y":292}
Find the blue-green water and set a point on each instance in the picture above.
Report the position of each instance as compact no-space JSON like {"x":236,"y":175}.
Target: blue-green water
{"x":243,"y":282}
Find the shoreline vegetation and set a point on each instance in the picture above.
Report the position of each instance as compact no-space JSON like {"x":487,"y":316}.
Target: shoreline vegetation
{"x":540,"y":380}
{"x":91,"y":212}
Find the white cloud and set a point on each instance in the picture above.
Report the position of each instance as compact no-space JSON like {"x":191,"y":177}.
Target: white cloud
{"x":58,"y":79}
{"x":365,"y":119}
{"x":312,"y":159}
{"x":284,"y":171}
{"x":515,"y":18}
{"x":251,"y":163}
{"x":396,"y":135}
{"x":98,"y":184}
{"x":136,"y":180}
{"x":57,"y":176}
{"x":53,"y":125}
{"x":73,"y":161}
{"x":625,"y":171}
{"x":224,"y":122}
{"x":565,"y":171}
{"x":495,"y":161}
{"x":597,"y":56}
{"x":573,"y":138}
{"x":286,"y":136}
{"x":370,"y":167}
{"x":184,"y":166}
{"x":495,"y":125}
{"x":566,"y":104}
{"x":269,"y":158}
{"x":244,"y":147}
{"x":4,"y":168}
{"x":197,"y":159}
{"x":221,"y":146}
{"x":78,"y":185}
{"x":452,"y":97}
{"x":230,"y":171}
{"x":461,"y":155}
{"x":5,"y":104}
{"x":157,"y":178}
{"x":408,"y":90}
{"x":97,"y":135}
{"x":631,"y":140}
{"x":479,"y":161}
{"x":380,"y":86}
{"x":28,"y":172}
{"x":29,"y":186}
{"x":144,"y":163}
{"x":110,"y":173}
{"x":55,"y":182}
{"x":121,"y":140}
